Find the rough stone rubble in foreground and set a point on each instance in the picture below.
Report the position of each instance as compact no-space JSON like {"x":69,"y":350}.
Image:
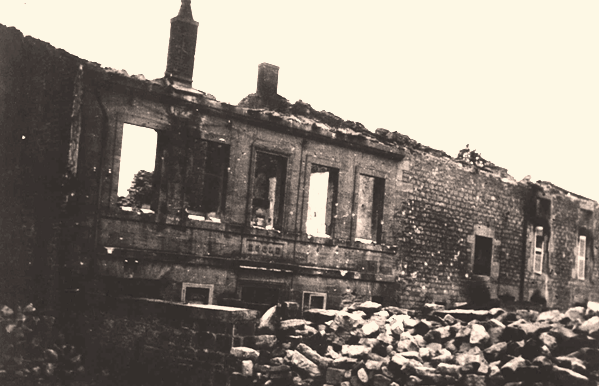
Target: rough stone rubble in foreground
{"x":387,"y":346}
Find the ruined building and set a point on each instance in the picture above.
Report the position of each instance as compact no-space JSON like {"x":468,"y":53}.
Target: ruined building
{"x":117,"y":186}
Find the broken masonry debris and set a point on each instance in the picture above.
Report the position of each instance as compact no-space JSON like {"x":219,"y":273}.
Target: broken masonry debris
{"x":366,"y":343}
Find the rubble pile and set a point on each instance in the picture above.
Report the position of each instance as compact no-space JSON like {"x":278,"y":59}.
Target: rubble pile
{"x":30,"y":346}
{"x":367,"y":344}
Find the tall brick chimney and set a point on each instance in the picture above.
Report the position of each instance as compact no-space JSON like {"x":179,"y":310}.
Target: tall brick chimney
{"x":268,"y":77}
{"x":182,"y":46}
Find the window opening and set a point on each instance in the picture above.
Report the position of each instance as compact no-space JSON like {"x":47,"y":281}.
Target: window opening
{"x":586,"y":218}
{"x":539,"y":244}
{"x":136,"y":171}
{"x":483,"y":253}
{"x":377,"y":299}
{"x":581,"y":256}
{"x":322,"y":200}
{"x":543,"y":208}
{"x":260,"y":295}
{"x":269,"y":191}
{"x":314,"y":300}
{"x":196,"y":293}
{"x":371,"y":195}
{"x":206,"y":183}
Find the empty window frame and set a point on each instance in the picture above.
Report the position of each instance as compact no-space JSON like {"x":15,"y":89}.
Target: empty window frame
{"x":586,"y":219}
{"x":483,"y":255}
{"x":206,"y":179}
{"x":136,"y":185}
{"x":581,"y":255}
{"x":268,"y":196}
{"x":543,"y":208}
{"x":314,"y":300}
{"x":322,"y":200}
{"x":538,"y":250}
{"x":370,"y":204}
{"x":197,"y":293}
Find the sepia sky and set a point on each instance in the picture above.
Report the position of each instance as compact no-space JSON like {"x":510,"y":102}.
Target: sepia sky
{"x":517,"y":80}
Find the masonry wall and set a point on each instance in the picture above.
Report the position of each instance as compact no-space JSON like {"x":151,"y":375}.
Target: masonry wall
{"x":168,"y":249}
{"x":62,"y":120}
{"x":140,"y":341}
{"x":558,"y":282}
{"x":450,"y":203}
{"x":37,"y":85}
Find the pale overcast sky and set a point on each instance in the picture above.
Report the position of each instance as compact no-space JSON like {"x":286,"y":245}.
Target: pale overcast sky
{"x":517,"y":80}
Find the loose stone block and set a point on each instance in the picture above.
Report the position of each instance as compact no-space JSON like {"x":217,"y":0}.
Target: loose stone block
{"x":362,"y":375}
{"x":247,"y":368}
{"x":245,"y":353}
{"x":335,"y":376}
{"x":301,"y":362}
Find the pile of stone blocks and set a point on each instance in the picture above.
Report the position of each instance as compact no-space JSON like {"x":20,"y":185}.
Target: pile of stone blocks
{"x":367,"y":344}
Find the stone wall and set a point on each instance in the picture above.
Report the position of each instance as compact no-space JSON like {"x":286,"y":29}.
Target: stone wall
{"x":450,"y":203}
{"x":558,"y":282}
{"x":148,"y":341}
{"x":62,"y":150}
{"x":37,"y":87}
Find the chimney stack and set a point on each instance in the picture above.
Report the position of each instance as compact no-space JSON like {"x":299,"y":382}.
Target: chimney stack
{"x":182,"y":46}
{"x":268,"y":77}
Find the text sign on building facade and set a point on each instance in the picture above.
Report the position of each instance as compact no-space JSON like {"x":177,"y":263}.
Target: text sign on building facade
{"x":263,"y":248}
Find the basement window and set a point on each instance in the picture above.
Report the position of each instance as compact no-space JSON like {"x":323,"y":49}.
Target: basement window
{"x":206,"y":180}
{"x":539,"y":247}
{"x":136,"y":170}
{"x":371,"y":196}
{"x":581,"y":257}
{"x":194,"y":293}
{"x":483,"y":254}
{"x":314,"y":300}
{"x":268,"y":197}
{"x":322,"y":201}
